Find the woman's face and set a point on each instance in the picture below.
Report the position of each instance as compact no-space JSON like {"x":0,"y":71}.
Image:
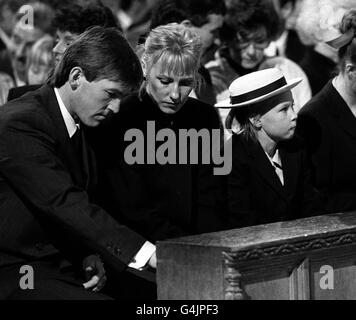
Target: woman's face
{"x":168,"y":90}
{"x":38,"y":72}
{"x":279,"y":122}
{"x":248,"y":52}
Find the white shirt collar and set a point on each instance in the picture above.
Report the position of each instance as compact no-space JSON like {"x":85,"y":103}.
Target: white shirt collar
{"x":276,"y":158}
{"x":68,"y":119}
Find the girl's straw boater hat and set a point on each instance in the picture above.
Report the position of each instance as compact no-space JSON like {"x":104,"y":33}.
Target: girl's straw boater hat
{"x":257,"y":86}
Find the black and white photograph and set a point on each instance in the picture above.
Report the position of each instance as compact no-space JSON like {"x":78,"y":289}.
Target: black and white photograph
{"x":173,"y":155}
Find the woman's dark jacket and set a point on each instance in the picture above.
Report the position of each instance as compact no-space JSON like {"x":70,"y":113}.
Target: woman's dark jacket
{"x":159,"y":201}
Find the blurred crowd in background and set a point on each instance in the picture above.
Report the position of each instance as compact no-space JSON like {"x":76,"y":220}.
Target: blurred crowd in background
{"x":240,"y":36}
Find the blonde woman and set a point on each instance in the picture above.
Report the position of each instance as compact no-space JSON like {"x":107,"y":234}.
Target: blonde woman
{"x":166,"y":200}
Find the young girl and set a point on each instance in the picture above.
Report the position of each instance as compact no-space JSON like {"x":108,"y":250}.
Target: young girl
{"x":269,"y":180}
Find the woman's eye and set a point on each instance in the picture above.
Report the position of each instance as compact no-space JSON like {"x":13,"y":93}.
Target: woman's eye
{"x":165,"y":81}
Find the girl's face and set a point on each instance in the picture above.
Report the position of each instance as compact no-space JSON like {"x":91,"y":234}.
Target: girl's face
{"x":279,"y":122}
{"x":170,"y":91}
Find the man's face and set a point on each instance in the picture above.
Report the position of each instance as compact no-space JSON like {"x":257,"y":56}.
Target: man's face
{"x":169,"y":91}
{"x":208,"y":31}
{"x":62,"y":41}
{"x":279,"y":123}
{"x":23,"y":37}
{"x":94,"y":101}
{"x":249,"y":53}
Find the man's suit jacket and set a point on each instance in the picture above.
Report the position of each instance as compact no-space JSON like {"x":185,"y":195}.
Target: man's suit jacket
{"x":45,"y":197}
{"x":329,"y":129}
{"x":255,"y":193}
{"x":17,"y":92}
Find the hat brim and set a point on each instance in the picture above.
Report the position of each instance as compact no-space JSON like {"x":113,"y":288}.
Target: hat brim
{"x":227,"y":102}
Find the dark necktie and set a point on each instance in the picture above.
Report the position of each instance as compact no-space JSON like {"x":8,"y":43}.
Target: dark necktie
{"x":78,"y":144}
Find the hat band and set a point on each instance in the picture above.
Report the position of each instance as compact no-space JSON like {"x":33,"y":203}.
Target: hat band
{"x":259,"y":92}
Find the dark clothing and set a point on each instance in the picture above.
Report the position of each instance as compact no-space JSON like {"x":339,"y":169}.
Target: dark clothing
{"x":255,"y":193}
{"x":295,"y":49}
{"x":17,"y":92}
{"x":46,"y":191}
{"x":5,"y":64}
{"x":206,"y":91}
{"x":161,"y":201}
{"x":318,"y":68}
{"x":329,"y":129}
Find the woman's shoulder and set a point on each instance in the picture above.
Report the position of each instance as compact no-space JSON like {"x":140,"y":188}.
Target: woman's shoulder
{"x":202,"y":112}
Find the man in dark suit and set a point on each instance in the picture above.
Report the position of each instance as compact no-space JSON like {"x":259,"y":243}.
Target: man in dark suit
{"x":48,"y":177}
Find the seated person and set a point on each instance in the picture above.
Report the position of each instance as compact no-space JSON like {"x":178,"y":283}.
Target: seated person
{"x":48,"y":180}
{"x":205,"y":17}
{"x":248,"y":29}
{"x":328,"y":124}
{"x":170,"y":199}
{"x":269,"y":180}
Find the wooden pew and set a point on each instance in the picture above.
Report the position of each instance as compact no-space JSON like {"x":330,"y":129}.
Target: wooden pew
{"x":312,"y":258}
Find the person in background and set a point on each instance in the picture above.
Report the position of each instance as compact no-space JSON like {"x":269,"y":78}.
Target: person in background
{"x":270,"y":179}
{"x":24,"y":36}
{"x":318,"y":23}
{"x":40,"y":61}
{"x":14,"y":60}
{"x":6,"y":83}
{"x":328,"y":124}
{"x":248,"y":29}
{"x":70,"y":21}
{"x":288,"y":44}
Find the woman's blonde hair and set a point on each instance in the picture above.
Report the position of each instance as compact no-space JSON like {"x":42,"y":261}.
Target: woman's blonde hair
{"x":176,"y":46}
{"x":41,"y":54}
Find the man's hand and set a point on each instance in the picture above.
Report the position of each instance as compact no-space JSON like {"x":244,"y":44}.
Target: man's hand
{"x":94,"y":273}
{"x":153,"y":261}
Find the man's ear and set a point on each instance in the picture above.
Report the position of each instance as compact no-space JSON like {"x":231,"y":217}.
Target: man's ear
{"x":76,"y":77}
{"x":256,"y":122}
{"x":350,"y":70}
{"x":187,"y":23}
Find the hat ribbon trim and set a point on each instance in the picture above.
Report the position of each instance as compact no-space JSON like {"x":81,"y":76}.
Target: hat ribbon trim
{"x":258,"y":92}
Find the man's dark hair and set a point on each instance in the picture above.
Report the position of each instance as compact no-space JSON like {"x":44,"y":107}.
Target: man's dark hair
{"x":197,"y":11}
{"x":102,"y":53}
{"x":78,"y":16}
{"x":247,"y":16}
